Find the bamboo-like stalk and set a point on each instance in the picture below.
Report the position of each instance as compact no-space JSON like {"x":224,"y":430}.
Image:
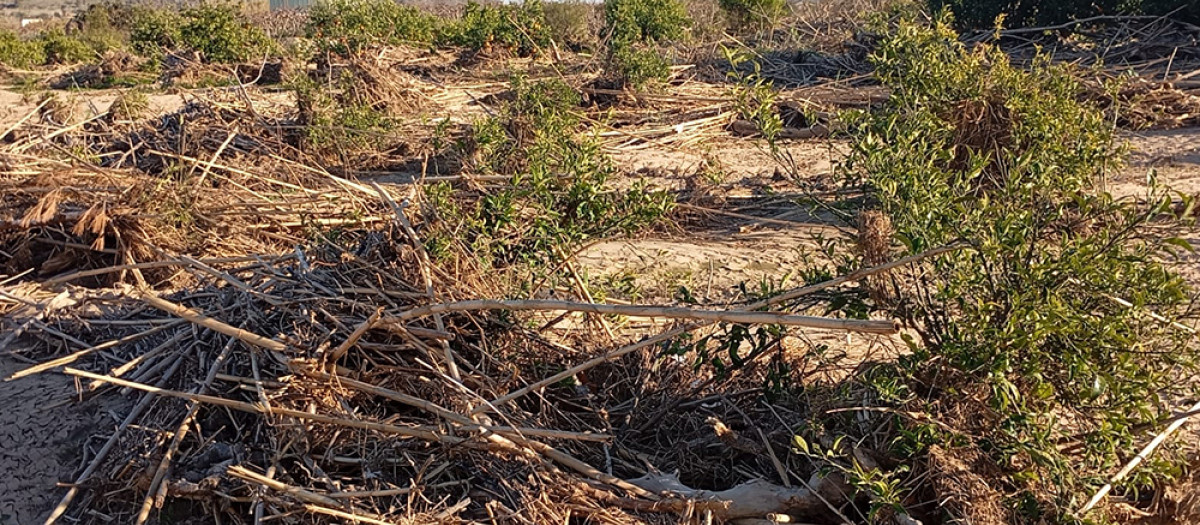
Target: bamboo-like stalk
{"x":314,"y":502}
{"x":71,"y":358}
{"x":715,"y":316}
{"x":50,"y":283}
{"x":426,"y":275}
{"x":1141,"y":456}
{"x":199,"y":318}
{"x":354,"y":518}
{"x":671,"y":334}
{"x":450,"y":415}
{"x":357,"y":334}
{"x":390,"y":492}
{"x":134,"y":413}
{"x":246,"y":474}
{"x":424,"y":433}
{"x":1176,"y":423}
{"x":157,"y":490}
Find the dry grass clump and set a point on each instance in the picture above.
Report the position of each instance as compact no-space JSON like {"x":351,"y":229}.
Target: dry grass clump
{"x":874,"y":243}
{"x":962,"y":480}
{"x":1141,"y":103}
{"x":330,"y":412}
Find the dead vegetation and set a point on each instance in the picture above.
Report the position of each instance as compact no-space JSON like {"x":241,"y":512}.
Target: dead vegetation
{"x":305,"y":334}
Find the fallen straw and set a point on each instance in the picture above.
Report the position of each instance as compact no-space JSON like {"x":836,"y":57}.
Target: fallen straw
{"x":134,"y":413}
{"x":71,"y":358}
{"x":330,"y":505}
{"x":452,"y":416}
{"x":671,"y":334}
{"x":749,"y":317}
{"x":424,"y":433}
{"x":210,"y":323}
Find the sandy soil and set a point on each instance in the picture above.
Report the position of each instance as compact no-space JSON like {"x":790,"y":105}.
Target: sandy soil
{"x":14,"y":107}
{"x":1174,"y":155}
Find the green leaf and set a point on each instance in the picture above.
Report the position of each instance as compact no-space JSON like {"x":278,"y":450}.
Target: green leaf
{"x":801,"y":444}
{"x":1180,"y":242}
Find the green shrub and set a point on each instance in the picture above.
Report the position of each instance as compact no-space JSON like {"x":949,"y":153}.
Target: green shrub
{"x":103,"y":16}
{"x":104,"y":26}
{"x":638,"y":66}
{"x":61,"y":48}
{"x":648,"y":21}
{"x":130,"y":105}
{"x":349,"y":26}
{"x":1019,"y":329}
{"x":558,"y":194}
{"x":19,"y":53}
{"x":635,"y":28}
{"x":342,"y":116}
{"x":570,"y":23}
{"x":521,"y":28}
{"x":982,"y":14}
{"x":753,"y":14}
{"x":155,"y":31}
{"x":222,"y":34}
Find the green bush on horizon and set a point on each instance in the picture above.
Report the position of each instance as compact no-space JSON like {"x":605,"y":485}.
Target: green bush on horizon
{"x":983,"y":14}
{"x":351,"y":26}
{"x":635,"y":29}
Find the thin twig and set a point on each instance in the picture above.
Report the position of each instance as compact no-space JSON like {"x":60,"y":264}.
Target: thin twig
{"x":671,"y":334}
{"x":747,"y":317}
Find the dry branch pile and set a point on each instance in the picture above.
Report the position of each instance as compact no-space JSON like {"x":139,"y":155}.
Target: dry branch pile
{"x":288,"y":350}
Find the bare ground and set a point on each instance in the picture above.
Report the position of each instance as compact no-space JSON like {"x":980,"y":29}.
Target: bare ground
{"x":43,"y":436}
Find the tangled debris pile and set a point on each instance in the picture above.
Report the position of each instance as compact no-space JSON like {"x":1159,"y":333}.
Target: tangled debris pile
{"x":294,"y":351}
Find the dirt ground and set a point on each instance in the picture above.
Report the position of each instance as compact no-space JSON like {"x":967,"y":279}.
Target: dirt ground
{"x":44,"y":441}
{"x":43,"y":436}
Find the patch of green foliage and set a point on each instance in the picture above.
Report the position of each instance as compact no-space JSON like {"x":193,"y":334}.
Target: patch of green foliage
{"x":754,"y":97}
{"x":61,"y":48}
{"x":104,"y":26}
{"x":153,"y":32}
{"x":20,"y":53}
{"x":645,"y":20}
{"x":558,"y":194}
{"x":219,"y":31}
{"x":753,"y":14}
{"x":970,"y":149}
{"x":350,"y":26}
{"x":634,"y":29}
{"x":570,"y":23}
{"x":222,"y":34}
{"x":129,"y":105}
{"x":638,"y":66}
{"x":521,"y":28}
{"x":983,"y":14}
{"x":46,"y":48}
{"x":339,"y":117}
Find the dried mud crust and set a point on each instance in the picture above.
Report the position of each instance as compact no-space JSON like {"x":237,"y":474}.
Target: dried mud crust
{"x":41,"y":446}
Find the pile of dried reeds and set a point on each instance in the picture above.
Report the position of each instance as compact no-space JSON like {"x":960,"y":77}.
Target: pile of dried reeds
{"x":290,"y":352}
